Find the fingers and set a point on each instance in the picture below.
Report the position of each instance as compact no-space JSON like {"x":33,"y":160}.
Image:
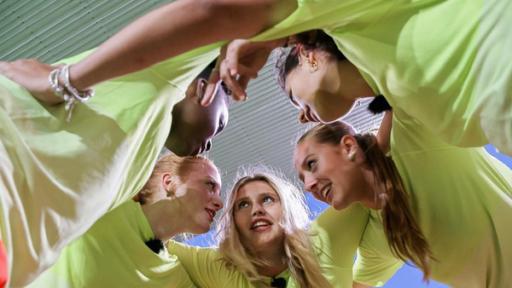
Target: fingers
{"x":211,"y":88}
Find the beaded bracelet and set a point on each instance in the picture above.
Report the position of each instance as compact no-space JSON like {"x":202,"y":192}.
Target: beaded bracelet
{"x":66,"y":90}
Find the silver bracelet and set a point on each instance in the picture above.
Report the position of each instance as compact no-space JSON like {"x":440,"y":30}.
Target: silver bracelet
{"x":66,"y":90}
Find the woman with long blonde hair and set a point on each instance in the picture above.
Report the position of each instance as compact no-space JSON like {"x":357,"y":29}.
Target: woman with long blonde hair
{"x":266,"y":240}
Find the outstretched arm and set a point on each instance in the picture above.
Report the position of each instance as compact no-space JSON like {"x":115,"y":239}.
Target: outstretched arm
{"x":165,"y":32}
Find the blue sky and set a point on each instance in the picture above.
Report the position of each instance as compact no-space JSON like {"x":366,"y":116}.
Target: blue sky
{"x":407,"y":276}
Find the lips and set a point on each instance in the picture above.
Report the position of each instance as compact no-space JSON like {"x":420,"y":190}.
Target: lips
{"x":211,"y":214}
{"x":260,"y":224}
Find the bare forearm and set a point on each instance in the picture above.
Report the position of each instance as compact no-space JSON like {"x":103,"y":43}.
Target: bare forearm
{"x":170,"y":30}
{"x":384,"y":134}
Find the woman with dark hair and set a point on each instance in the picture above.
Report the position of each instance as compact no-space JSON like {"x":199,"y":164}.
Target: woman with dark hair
{"x":444,"y":208}
{"x":126,"y":247}
{"x":457,"y":84}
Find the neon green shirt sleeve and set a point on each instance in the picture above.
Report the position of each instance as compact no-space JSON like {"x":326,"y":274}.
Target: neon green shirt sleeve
{"x":66,"y":175}
{"x":207,"y":269}
{"x":375,"y":264}
{"x":462,"y":199}
{"x":336,"y":236}
{"x":458,"y":86}
{"x":113,"y":253}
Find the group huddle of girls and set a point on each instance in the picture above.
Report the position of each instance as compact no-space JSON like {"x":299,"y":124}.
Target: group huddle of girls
{"x":86,"y":202}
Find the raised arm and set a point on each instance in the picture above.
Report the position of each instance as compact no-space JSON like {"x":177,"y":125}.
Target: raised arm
{"x":175,"y":28}
{"x":384,"y":133}
{"x":165,"y":32}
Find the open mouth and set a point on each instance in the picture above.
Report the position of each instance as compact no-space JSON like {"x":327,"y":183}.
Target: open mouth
{"x":261,"y":225}
{"x":211,"y":214}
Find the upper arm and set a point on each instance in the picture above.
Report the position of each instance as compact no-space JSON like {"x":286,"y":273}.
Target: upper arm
{"x":384,"y":133}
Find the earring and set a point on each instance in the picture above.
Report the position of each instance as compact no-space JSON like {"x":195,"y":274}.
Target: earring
{"x":352,"y":156}
{"x":313,"y":65}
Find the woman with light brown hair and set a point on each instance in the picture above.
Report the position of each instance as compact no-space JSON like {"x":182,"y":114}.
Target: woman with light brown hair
{"x":444,"y":208}
{"x":126,"y":247}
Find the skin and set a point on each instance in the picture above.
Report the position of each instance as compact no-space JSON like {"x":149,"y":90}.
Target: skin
{"x":193,"y":125}
{"x":192,"y":205}
{"x":323,"y":88}
{"x":258,"y":201}
{"x":152,"y":38}
{"x":336,"y":174}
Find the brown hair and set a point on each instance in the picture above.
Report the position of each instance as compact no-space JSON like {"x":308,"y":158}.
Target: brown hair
{"x":169,"y":163}
{"x":403,"y":233}
{"x":309,"y":40}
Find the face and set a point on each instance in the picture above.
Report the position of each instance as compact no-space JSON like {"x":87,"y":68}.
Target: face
{"x":322,"y":91}
{"x":258,"y":213}
{"x":328,"y":172}
{"x":193,"y":125}
{"x":199,"y":191}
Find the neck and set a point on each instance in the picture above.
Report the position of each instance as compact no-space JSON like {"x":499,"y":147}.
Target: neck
{"x":274,"y":260}
{"x":352,"y":83}
{"x":165,"y":218}
{"x":371,"y":198}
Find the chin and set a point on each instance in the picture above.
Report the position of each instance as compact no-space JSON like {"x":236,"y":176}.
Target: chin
{"x":339,"y":205}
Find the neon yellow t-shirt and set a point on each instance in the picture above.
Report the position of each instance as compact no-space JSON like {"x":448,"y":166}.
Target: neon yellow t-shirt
{"x":462,"y":198}
{"x":58,"y":178}
{"x":113,"y":254}
{"x":443,"y":62}
{"x":335,"y":237}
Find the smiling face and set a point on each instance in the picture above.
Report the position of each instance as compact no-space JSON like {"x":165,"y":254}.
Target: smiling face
{"x":258,"y":215}
{"x":329,"y":171}
{"x":199,"y":191}
{"x":193,"y":125}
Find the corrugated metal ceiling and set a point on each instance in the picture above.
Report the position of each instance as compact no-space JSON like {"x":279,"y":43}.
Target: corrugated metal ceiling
{"x":261,"y":130}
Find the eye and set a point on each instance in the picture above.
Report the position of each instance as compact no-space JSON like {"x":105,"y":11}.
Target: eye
{"x":294,"y":100}
{"x":268,"y":199}
{"x":311,"y":164}
{"x":242,"y":205}
{"x":221,"y":126}
{"x":212,"y":185}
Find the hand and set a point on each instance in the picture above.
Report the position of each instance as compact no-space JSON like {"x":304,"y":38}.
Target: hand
{"x":33,"y":75}
{"x":239,"y":62}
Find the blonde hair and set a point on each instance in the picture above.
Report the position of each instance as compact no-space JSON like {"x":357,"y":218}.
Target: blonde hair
{"x":299,"y":254}
{"x":173,"y":164}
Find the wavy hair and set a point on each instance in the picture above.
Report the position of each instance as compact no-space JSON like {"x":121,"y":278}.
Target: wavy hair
{"x":299,"y":254}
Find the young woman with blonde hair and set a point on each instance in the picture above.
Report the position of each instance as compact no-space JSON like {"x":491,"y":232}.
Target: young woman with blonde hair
{"x":266,"y":241}
{"x":126,"y":247}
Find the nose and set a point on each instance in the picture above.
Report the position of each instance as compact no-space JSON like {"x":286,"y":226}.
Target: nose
{"x":208,"y":145}
{"x":217,"y":202}
{"x":257,"y":209}
{"x":310,"y":183}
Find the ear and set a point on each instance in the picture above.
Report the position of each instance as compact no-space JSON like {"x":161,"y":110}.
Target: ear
{"x":348,"y":145}
{"x":167,"y":183}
